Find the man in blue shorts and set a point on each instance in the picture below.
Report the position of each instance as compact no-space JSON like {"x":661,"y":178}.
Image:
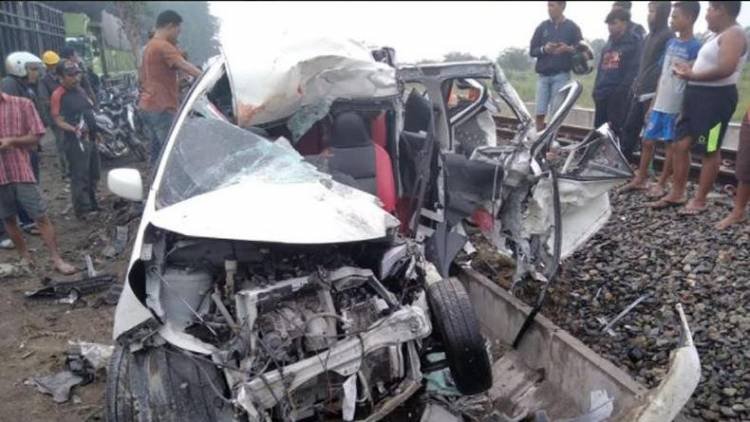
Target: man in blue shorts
{"x":553,"y":45}
{"x":670,"y":91}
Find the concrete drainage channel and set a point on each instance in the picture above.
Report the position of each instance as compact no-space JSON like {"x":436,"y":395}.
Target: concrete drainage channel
{"x":551,"y":371}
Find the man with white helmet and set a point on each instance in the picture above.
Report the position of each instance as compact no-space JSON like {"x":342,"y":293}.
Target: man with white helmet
{"x":24,"y":70}
{"x":20,"y":132}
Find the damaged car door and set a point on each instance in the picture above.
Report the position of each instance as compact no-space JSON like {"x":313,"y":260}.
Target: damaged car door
{"x":505,"y":186}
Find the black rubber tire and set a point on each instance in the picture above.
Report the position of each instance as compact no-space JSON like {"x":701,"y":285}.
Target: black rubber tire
{"x":458,"y":328}
{"x":163,"y":385}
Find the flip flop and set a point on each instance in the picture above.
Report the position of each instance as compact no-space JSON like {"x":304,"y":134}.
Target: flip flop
{"x":663,"y":204}
{"x":691,"y":211}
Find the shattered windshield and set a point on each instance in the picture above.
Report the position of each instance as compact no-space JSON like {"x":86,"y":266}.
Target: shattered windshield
{"x":211,"y":154}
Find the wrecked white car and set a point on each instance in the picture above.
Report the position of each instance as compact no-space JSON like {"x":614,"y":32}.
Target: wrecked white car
{"x":294,"y":258}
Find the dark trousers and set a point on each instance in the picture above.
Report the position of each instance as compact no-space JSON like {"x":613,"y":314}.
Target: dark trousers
{"x":631,"y":131}
{"x":612,"y":109}
{"x":83,"y":160}
{"x":157,"y":125}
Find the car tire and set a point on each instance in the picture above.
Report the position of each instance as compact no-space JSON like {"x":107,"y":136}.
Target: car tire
{"x":162,"y":384}
{"x":458,"y":328}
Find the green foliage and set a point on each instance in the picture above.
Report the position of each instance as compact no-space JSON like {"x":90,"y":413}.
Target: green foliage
{"x":525,"y":84}
{"x":457,"y":56}
{"x":199,"y":27}
{"x":515,"y":59}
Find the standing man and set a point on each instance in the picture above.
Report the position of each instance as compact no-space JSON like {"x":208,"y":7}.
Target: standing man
{"x":20,"y":131}
{"x":161,"y":62}
{"x":70,"y":108}
{"x":742,"y":173}
{"x":669,"y":97}
{"x":644,"y":87}
{"x":553,"y":45}
{"x":617,"y":69}
{"x":24,"y":70}
{"x":69,"y":53}
{"x":710,"y":101}
{"x":636,"y":28}
{"x":47,"y":86}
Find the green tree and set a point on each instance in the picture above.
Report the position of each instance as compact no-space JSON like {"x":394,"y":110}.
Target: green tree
{"x":515,"y":59}
{"x":457,"y":56}
{"x":199,"y":27}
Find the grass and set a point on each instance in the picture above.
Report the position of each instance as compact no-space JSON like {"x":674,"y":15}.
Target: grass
{"x":525,"y":84}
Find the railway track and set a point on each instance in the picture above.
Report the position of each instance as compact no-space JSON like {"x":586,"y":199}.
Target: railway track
{"x":569,"y":134}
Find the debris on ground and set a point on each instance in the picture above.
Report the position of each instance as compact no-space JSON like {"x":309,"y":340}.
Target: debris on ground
{"x":58,"y":385}
{"x":71,"y":292}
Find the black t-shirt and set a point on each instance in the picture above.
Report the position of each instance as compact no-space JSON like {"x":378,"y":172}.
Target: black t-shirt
{"x":548,"y":31}
{"x":73,"y":105}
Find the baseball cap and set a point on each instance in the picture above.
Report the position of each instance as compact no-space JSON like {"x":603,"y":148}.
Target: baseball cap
{"x":50,"y":58}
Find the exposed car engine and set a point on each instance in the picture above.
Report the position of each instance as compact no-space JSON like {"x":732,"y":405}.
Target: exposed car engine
{"x":302,"y":331}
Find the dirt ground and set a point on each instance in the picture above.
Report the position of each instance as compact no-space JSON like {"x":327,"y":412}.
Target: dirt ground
{"x":34,"y":335}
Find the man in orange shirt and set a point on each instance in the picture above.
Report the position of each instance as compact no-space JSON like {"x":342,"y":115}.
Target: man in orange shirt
{"x":159,"y":95}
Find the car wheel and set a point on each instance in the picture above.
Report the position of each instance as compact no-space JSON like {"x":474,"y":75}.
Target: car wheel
{"x":458,"y":328}
{"x":163,"y":384}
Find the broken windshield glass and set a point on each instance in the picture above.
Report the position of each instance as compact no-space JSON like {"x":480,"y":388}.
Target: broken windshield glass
{"x":210,"y":154}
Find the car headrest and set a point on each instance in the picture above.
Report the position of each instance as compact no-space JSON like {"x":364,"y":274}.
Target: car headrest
{"x":349,"y":131}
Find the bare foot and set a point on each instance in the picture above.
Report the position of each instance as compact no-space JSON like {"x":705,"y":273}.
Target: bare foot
{"x":635,"y":184}
{"x":656,"y":191}
{"x":64,"y":268}
{"x":693,"y":208}
{"x":729,"y":220}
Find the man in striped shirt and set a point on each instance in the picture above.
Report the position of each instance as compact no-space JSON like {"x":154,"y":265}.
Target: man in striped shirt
{"x":20,"y":131}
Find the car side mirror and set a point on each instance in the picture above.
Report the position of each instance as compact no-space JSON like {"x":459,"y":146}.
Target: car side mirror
{"x":126,"y":183}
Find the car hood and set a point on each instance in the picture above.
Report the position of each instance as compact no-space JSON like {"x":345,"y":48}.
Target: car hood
{"x":314,"y":212}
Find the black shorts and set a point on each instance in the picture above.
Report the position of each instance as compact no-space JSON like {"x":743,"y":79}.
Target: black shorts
{"x":705,"y":115}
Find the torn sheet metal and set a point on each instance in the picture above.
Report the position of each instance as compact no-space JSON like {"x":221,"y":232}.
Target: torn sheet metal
{"x":293,"y":72}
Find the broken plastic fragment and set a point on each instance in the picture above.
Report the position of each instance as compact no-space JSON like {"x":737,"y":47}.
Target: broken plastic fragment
{"x":58,"y":385}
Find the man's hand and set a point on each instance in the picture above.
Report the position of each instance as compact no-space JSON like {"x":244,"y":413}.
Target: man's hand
{"x":6,"y":143}
{"x":563,"y":48}
{"x":550,"y":47}
{"x":683,"y":71}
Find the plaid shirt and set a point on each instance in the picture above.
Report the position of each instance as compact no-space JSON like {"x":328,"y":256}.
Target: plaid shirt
{"x":18,"y":117}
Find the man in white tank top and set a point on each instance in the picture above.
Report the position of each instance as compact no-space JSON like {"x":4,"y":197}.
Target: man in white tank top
{"x":710,"y":101}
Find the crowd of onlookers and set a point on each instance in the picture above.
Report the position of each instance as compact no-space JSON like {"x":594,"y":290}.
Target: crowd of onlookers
{"x":664,"y":86}
{"x":57,"y":93}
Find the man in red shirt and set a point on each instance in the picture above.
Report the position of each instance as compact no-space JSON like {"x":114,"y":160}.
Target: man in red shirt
{"x":20,"y":131}
{"x":159,"y":95}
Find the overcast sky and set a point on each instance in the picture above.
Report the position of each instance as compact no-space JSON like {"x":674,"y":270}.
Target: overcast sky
{"x":419,"y":30}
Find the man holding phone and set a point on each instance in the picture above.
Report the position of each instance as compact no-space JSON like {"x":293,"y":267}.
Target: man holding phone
{"x":553,"y":45}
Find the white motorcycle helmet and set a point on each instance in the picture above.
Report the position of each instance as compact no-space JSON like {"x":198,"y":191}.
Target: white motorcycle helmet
{"x":17,"y":63}
{"x":583,"y":59}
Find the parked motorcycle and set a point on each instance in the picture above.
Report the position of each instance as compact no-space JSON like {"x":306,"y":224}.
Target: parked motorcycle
{"x":117,"y":120}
